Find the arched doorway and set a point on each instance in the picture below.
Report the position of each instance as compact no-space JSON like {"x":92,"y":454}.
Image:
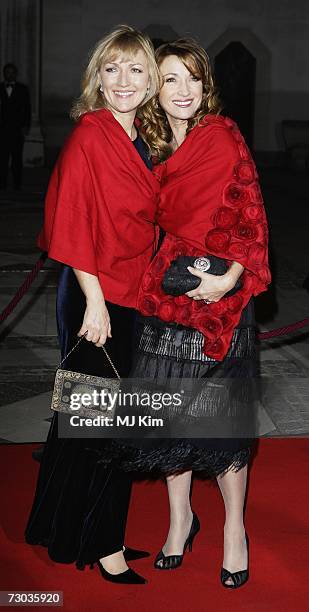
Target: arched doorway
{"x":235,"y":74}
{"x":262,"y":55}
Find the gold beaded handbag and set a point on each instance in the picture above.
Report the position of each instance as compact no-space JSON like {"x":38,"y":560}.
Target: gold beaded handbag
{"x":84,"y":394}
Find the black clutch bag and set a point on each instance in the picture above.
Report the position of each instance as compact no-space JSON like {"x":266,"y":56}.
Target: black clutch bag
{"x":178,"y":280}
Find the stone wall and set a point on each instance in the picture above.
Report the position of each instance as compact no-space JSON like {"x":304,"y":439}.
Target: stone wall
{"x":276,"y":32}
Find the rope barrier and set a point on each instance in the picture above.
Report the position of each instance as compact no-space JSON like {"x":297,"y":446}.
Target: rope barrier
{"x":267,"y":335}
{"x":24,"y":287}
{"x":283,"y":331}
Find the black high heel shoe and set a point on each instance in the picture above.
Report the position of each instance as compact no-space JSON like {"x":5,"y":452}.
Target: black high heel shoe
{"x":131,"y":554}
{"x":173,"y":561}
{"x":127,"y":577}
{"x":238,"y":578}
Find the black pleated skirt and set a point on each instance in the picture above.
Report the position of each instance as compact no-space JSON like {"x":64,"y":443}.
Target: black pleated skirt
{"x":167,"y":351}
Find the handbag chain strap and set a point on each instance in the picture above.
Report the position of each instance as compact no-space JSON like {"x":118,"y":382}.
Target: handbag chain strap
{"x":103,"y":347}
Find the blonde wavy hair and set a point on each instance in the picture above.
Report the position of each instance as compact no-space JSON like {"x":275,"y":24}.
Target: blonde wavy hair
{"x":155,"y":127}
{"x":125,"y":41}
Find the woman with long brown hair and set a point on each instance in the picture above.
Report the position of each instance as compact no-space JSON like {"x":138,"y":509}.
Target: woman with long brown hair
{"x":210,"y":205}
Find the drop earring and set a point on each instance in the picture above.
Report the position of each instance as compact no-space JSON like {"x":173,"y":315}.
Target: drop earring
{"x":101,"y":88}
{"x":147,"y":92}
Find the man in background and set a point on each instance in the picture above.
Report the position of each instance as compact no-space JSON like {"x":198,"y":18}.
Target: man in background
{"x":15,"y":118}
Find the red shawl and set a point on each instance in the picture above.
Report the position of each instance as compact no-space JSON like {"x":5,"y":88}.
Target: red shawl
{"x":100,"y":207}
{"x":210,"y":203}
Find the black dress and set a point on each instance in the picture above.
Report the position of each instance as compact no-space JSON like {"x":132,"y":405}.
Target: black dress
{"x":80,"y":506}
{"x":167,"y":351}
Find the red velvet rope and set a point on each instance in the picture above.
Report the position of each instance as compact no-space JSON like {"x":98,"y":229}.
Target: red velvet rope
{"x":282,"y":331}
{"x":267,"y":335}
{"x":24,"y":287}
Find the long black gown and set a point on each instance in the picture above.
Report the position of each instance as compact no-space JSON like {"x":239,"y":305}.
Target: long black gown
{"x":80,"y":506}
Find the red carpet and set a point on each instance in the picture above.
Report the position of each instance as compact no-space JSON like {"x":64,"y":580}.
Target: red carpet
{"x":277,"y":523}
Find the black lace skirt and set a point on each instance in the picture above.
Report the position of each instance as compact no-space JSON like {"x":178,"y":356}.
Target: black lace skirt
{"x":170,"y":351}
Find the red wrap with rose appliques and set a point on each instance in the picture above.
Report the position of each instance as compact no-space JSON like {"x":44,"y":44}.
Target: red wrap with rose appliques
{"x":210,"y":203}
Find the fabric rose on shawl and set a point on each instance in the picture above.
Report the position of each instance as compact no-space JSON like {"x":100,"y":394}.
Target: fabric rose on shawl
{"x":198,"y":305}
{"x":213,"y":349}
{"x":237,"y":250}
{"x":257,"y":253}
{"x":184,"y":314}
{"x":217,"y":240}
{"x":209,"y":325}
{"x":243,"y":150}
{"x":217,"y":308}
{"x":246,"y":231}
{"x":236,"y":194}
{"x":234,"y":303}
{"x":149,"y":305}
{"x":182,"y":299}
{"x":180,"y":249}
{"x":226,"y":217}
{"x":245,"y":172}
{"x":255,"y":193}
{"x":227,"y":321}
{"x":167,"y":311}
{"x":264,"y":275}
{"x":252,"y":213}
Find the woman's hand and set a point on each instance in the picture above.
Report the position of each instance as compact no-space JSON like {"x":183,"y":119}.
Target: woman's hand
{"x":97,"y":323}
{"x":96,"y":318}
{"x":212,"y":288}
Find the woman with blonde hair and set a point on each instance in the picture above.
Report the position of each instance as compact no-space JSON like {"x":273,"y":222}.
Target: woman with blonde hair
{"x":99,"y":223}
{"x":210,"y":209}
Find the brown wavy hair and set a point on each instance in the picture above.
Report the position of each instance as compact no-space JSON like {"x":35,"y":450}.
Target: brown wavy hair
{"x":155,"y":127}
{"x":122,"y":40}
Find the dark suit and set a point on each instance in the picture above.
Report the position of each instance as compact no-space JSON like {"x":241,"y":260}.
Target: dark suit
{"x":15,"y":117}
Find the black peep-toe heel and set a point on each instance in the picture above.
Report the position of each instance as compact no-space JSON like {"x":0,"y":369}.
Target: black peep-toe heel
{"x":164,"y":562}
{"x":238,"y":578}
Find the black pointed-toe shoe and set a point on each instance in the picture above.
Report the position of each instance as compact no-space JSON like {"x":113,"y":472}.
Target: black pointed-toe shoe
{"x":127,"y":577}
{"x":164,"y":562}
{"x":238,"y":578}
{"x":131,"y":554}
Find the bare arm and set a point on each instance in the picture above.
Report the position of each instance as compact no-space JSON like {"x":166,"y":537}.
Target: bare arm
{"x":96,"y":318}
{"x":213,"y":288}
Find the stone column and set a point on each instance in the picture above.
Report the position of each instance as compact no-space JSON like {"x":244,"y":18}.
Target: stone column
{"x":20,"y":43}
